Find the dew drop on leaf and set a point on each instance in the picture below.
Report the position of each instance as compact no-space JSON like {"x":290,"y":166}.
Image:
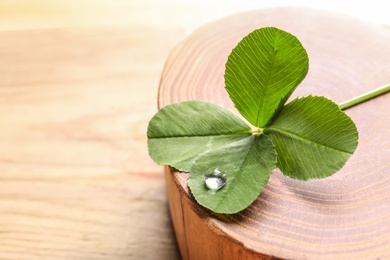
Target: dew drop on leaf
{"x":215,"y":181}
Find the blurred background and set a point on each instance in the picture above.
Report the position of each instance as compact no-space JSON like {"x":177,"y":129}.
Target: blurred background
{"x":186,"y":14}
{"x":78,"y":85}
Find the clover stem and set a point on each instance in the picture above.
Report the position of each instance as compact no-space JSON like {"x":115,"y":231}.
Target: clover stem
{"x":366,"y":96}
{"x":258,"y":131}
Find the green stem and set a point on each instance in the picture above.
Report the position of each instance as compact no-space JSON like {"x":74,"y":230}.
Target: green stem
{"x":258,"y":131}
{"x":362,"y":98}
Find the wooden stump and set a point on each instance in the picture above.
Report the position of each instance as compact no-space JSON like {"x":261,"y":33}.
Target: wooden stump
{"x":345,"y":216}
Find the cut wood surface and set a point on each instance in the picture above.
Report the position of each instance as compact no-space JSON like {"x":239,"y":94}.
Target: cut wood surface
{"x":345,"y":216}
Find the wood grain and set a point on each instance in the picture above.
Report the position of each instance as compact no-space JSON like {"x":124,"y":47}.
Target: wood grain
{"x":76,"y":181}
{"x":345,"y":216}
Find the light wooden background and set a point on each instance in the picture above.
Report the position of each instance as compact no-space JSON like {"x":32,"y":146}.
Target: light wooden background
{"x":78,"y":84}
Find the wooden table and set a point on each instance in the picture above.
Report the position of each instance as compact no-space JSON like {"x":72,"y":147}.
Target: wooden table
{"x":78,"y":85}
{"x":76,"y":181}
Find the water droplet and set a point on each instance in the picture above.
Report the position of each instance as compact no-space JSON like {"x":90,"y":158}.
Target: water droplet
{"x":215,"y":181}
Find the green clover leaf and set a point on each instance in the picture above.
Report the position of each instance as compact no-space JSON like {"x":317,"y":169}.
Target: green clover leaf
{"x":309,"y":138}
{"x":181,"y":133}
{"x":262,"y":71}
{"x":247,"y":165}
{"x":312,"y":137}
